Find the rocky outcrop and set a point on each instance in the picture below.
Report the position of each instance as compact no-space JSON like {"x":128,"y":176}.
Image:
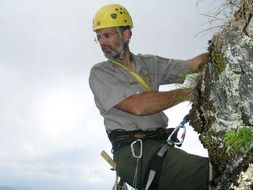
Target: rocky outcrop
{"x":222,"y":111}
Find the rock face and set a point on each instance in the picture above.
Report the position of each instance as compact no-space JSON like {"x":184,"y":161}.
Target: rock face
{"x":222,"y":111}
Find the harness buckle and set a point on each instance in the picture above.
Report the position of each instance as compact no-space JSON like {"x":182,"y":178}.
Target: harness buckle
{"x":139,"y":135}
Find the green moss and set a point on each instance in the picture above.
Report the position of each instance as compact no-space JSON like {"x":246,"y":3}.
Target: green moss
{"x":220,"y":63}
{"x":239,"y":140}
{"x":203,"y":109}
{"x":213,"y":141}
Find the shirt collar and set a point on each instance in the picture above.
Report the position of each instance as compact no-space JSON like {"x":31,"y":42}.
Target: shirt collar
{"x":140,"y":66}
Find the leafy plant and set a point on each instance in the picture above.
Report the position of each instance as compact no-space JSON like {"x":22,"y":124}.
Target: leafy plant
{"x":239,"y":140}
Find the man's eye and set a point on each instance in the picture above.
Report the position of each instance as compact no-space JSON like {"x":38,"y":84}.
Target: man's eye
{"x":107,"y":35}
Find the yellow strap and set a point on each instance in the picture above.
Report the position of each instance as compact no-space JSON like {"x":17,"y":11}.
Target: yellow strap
{"x":135,"y":75}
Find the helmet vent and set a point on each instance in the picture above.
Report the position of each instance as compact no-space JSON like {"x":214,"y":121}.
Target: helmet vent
{"x":114,"y":16}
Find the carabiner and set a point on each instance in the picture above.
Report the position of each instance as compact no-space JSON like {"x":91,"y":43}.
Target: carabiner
{"x":181,"y":125}
{"x":133,"y":149}
{"x":182,"y":137}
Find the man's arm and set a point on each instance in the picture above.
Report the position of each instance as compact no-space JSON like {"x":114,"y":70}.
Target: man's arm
{"x":152,"y":102}
{"x":195,"y":63}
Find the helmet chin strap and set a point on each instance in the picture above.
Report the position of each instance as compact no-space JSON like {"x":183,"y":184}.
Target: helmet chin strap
{"x":123,"y":45}
{"x":123,"y":50}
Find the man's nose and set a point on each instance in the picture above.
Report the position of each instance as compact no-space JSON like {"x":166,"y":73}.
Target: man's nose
{"x":103,"y":41}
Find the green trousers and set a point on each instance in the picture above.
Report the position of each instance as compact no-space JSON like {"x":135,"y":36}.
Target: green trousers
{"x":180,"y":170}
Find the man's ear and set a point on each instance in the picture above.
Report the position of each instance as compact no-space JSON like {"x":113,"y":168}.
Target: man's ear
{"x":127,"y":34}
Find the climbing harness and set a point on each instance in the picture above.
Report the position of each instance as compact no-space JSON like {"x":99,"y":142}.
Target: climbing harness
{"x":153,"y":170}
{"x":135,"y":140}
{"x":121,"y":138}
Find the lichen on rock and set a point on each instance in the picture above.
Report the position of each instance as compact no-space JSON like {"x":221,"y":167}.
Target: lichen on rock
{"x":224,"y":99}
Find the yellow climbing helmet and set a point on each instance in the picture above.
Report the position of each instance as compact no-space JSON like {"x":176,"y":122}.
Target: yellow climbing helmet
{"x":111,"y":15}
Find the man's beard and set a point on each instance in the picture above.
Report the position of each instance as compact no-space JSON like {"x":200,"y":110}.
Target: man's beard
{"x":116,"y":53}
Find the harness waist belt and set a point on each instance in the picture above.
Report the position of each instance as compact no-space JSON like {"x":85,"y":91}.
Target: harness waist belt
{"x":120,"y":138}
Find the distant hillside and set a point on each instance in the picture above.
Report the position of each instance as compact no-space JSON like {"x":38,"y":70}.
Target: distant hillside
{"x":13,"y":188}
{"x":6,"y":188}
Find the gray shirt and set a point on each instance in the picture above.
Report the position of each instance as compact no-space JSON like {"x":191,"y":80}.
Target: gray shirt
{"x":111,"y":84}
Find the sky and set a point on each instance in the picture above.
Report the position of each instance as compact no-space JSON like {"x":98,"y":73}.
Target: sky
{"x":51,"y":133}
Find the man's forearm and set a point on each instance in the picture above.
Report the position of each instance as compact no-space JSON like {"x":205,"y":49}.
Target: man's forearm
{"x":153,"y":102}
{"x":196,"y":62}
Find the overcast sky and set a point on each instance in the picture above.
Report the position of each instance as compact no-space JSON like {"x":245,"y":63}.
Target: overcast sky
{"x":51,"y":133}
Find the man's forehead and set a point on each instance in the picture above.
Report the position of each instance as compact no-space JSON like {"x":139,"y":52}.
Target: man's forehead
{"x":105,"y":30}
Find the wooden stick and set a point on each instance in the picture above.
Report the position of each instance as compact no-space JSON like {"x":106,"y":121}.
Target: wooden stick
{"x":108,"y":159}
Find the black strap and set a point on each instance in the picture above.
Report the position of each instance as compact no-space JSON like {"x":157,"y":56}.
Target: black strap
{"x":120,"y":138}
{"x":154,"y":168}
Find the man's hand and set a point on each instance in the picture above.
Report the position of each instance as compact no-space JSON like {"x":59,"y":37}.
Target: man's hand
{"x":196,"y":62}
{"x":191,"y":81}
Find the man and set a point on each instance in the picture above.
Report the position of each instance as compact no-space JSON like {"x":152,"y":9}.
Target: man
{"x":125,"y":89}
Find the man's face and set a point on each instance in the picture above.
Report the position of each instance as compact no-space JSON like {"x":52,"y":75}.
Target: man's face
{"x":110,"y":42}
